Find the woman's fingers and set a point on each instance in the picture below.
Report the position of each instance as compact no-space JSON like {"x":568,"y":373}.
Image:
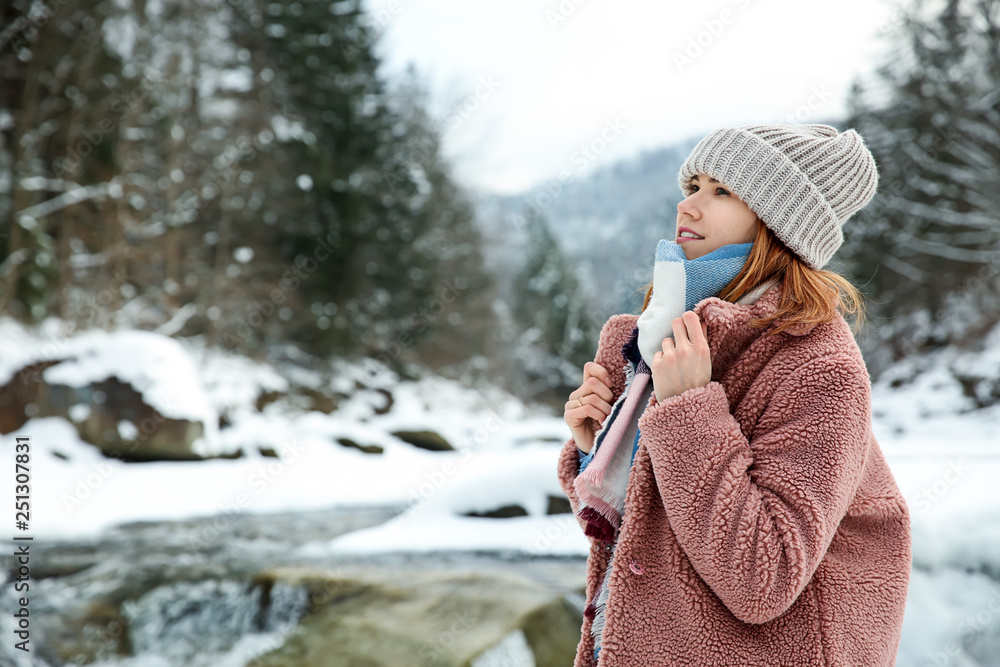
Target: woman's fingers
{"x":578,"y":414}
{"x":696,"y":328}
{"x":595,"y":386}
{"x":594,"y":397}
{"x":594,"y":369}
{"x":689,"y":329}
{"x":590,"y":387}
{"x":594,"y":412}
{"x":593,"y":400}
{"x":680,"y":331}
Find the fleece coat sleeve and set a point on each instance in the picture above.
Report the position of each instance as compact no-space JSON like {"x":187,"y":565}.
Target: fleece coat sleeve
{"x":755,"y":517}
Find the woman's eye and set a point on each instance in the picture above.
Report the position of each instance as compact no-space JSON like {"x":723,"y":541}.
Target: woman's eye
{"x":694,"y":188}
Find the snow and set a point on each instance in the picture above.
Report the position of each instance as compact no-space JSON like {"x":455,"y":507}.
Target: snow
{"x":476,"y":483}
{"x":156,"y":366}
{"x":942,"y":452}
{"x":84,"y":492}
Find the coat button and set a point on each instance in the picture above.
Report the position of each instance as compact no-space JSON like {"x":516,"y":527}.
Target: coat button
{"x":635,"y":567}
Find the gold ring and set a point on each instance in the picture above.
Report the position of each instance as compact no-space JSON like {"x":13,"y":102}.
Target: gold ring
{"x":580,"y":401}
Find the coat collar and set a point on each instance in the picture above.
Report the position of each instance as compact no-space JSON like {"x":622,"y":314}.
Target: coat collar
{"x":728,"y":324}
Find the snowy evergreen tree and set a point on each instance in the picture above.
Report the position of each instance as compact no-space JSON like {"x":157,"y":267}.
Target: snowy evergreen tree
{"x":549,"y":309}
{"x":928,"y":247}
{"x":366,"y":209}
{"x":58,"y":115}
{"x":235,"y":169}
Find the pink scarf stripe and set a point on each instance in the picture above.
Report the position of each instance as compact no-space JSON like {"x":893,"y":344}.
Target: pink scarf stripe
{"x":595,"y":471}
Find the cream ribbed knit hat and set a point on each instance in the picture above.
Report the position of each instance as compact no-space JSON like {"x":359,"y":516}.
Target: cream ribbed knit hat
{"x":804,"y":181}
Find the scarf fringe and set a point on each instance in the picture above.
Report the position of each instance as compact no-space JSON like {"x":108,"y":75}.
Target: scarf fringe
{"x":598,"y":526}
{"x":610,"y":509}
{"x":630,"y":349}
{"x":600,"y":605}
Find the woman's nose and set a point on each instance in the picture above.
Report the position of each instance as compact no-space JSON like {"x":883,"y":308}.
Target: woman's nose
{"x":689,"y":207}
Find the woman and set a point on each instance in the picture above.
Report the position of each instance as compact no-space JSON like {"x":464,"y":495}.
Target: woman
{"x":722,"y":461}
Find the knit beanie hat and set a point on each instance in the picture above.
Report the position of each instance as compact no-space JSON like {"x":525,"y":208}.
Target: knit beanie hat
{"x":803,"y":181}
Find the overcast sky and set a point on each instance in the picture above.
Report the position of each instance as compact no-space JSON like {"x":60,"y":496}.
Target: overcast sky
{"x":523,"y":85}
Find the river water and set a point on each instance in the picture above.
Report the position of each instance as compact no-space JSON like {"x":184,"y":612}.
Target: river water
{"x":157,"y":594}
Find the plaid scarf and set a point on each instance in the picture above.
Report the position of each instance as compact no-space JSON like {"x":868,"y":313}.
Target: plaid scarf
{"x":678,"y":284}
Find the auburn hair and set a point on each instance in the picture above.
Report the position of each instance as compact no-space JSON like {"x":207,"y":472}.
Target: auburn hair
{"x":809,"y":297}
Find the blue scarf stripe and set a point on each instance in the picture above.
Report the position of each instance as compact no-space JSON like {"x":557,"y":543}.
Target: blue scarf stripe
{"x":680,"y":283}
{"x":706,"y":275}
{"x":589,"y":457}
{"x":703,"y":277}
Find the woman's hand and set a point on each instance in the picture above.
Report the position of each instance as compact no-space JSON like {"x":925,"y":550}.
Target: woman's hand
{"x":684,"y":362}
{"x":592,"y":399}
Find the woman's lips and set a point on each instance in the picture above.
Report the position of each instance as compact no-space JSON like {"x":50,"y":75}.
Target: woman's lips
{"x":682,"y":229}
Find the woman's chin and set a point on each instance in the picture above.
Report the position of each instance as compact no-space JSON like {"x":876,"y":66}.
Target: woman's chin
{"x":701,"y":250}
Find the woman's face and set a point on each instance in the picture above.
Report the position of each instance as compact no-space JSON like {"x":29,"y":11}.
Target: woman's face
{"x":711,"y":211}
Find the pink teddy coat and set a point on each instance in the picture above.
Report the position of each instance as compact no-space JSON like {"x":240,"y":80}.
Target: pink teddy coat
{"x":762,"y":524}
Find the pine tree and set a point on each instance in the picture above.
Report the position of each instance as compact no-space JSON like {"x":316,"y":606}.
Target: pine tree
{"x":556,"y":336}
{"x":382,"y":239}
{"x":253,"y":179}
{"x":55,"y":147}
{"x":931,"y":236}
